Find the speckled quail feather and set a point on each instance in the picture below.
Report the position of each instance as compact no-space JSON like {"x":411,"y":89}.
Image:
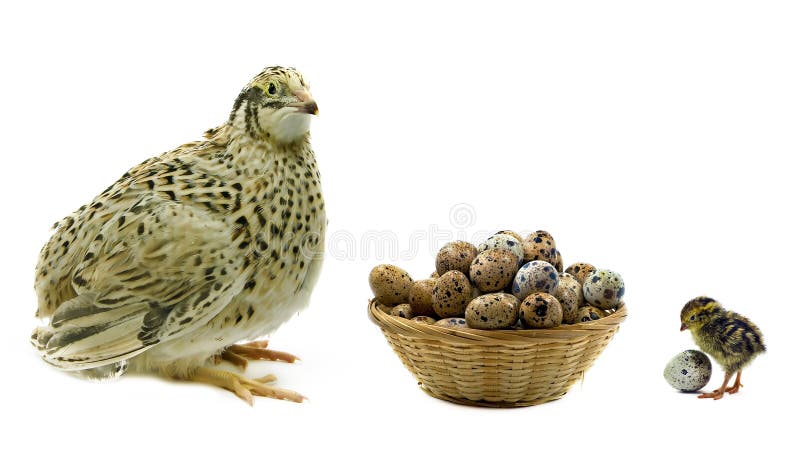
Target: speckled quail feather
{"x":190,"y":252}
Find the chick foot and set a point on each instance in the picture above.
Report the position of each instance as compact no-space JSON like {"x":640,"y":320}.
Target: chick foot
{"x":245,"y":388}
{"x":718,"y":393}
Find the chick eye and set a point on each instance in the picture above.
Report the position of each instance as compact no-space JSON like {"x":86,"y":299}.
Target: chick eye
{"x":272,"y":89}
{"x":691,"y":318}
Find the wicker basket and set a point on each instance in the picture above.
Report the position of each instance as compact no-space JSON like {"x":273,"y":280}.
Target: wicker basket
{"x":503,"y":368}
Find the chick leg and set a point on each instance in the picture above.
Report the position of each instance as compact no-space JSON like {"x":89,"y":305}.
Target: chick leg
{"x":718,"y":393}
{"x":244,"y":388}
{"x":736,"y":384}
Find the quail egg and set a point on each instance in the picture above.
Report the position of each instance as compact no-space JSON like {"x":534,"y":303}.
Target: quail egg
{"x":688,"y":371}
{"x":503,"y":241}
{"x":402,"y":310}
{"x":539,"y":246}
{"x":579,"y":270}
{"x":510,"y":232}
{"x":452,"y":322}
{"x":457,"y":255}
{"x":588,"y":313}
{"x":492,"y":311}
{"x":493,"y":269}
{"x":423,"y":319}
{"x":390,"y":284}
{"x":535,"y":276}
{"x":540,"y":310}
{"x":559,"y":263}
{"x":420,"y":296}
{"x":603,"y":289}
{"x":570,"y":294}
{"x":451,"y":294}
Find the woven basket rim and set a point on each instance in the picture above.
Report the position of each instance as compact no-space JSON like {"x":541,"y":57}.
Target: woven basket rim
{"x":565,"y":333}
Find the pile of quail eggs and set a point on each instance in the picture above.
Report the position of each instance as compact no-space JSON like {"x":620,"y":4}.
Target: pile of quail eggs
{"x":506,"y":282}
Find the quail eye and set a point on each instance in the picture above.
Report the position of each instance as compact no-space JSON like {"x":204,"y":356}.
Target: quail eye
{"x":691,"y":318}
{"x":272,"y":89}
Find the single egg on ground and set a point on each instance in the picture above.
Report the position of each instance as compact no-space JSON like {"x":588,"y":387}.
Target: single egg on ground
{"x":688,"y":371}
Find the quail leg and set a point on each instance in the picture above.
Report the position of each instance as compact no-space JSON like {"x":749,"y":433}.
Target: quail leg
{"x":245,"y":388}
{"x":736,"y":384}
{"x":718,"y":393}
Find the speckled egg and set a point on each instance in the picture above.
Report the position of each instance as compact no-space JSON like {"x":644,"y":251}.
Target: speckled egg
{"x":492,"y":311}
{"x":539,"y":246}
{"x":559,"y":263}
{"x":688,"y":371}
{"x":451,"y":294}
{"x":579,"y":270}
{"x":510,"y":232}
{"x":420,"y":296}
{"x":570,"y":294}
{"x":390,"y":284}
{"x":402,"y":310}
{"x":493,"y":269}
{"x":452,"y":322}
{"x":423,"y":319}
{"x":588,"y":313}
{"x":603,"y":289}
{"x":503,"y":241}
{"x":540,"y":310}
{"x":533,"y":277}
{"x":434,"y":275}
{"x":457,"y":255}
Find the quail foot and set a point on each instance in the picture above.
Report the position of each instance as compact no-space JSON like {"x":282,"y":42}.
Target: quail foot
{"x":193,"y":251}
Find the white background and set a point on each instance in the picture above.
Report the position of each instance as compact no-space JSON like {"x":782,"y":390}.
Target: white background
{"x":658,"y":140}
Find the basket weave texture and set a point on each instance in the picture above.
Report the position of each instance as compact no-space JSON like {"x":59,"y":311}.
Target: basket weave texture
{"x":499,"y":368}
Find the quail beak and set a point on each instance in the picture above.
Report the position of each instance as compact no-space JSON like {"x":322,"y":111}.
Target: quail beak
{"x":306,"y":104}
{"x":683,"y":326}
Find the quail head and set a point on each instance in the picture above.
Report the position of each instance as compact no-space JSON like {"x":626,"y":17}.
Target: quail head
{"x":191,"y":252}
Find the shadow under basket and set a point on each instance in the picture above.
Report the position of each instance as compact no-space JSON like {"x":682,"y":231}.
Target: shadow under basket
{"x":499,"y":368}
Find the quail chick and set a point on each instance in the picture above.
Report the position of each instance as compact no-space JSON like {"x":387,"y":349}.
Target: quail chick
{"x":193,"y":251}
{"x":730,"y":338}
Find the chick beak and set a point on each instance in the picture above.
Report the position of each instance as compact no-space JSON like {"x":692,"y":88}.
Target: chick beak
{"x":683,"y":326}
{"x":306,"y":103}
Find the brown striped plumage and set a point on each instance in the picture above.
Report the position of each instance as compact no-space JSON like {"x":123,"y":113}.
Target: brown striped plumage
{"x":731,"y":339}
{"x":189,"y":252}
